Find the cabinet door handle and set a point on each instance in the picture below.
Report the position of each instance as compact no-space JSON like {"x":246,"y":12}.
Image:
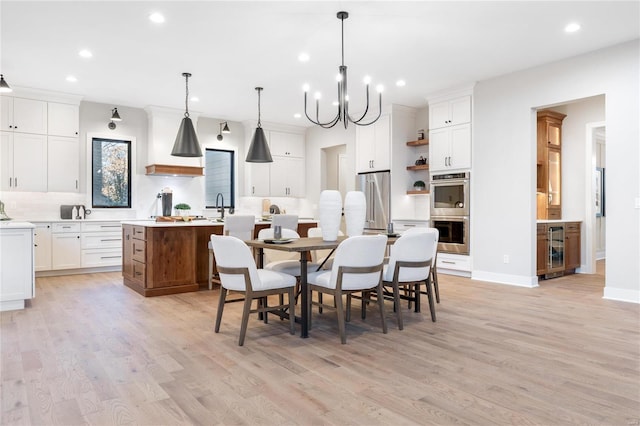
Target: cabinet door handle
{"x":138,"y":249}
{"x":253,"y":189}
{"x":110,"y":257}
{"x":76,"y":183}
{"x":110,"y":239}
{"x":449,"y":262}
{"x":15,"y":181}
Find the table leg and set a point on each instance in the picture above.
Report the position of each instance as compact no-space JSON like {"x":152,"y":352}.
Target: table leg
{"x":304,"y":309}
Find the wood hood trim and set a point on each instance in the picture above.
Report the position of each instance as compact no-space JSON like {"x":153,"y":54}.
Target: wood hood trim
{"x":167,"y":170}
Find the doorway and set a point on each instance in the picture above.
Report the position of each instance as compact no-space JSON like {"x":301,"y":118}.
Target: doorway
{"x":596,"y":205}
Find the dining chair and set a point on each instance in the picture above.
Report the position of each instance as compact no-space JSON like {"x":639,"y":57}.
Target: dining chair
{"x":286,"y":221}
{"x":409,"y":266}
{"x":357,"y":267}
{"x":320,"y":256}
{"x":238,"y":272}
{"x":434,"y":269}
{"x":239,"y":226}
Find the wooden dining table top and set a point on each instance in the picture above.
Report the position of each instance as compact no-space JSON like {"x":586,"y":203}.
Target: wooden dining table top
{"x":304,"y":244}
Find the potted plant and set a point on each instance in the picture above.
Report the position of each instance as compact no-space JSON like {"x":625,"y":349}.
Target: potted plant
{"x":182,"y":209}
{"x":419,"y":185}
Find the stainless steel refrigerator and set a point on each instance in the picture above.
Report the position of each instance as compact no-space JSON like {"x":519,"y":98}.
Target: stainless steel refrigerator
{"x":377,"y":191}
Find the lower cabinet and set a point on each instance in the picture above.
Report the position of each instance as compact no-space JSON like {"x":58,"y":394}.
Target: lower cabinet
{"x":16,"y":267}
{"x":42,"y":244}
{"x":65,"y":246}
{"x":558,"y":248}
{"x":101,"y":244}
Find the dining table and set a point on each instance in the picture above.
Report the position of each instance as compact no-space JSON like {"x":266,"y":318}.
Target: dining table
{"x":303,"y":246}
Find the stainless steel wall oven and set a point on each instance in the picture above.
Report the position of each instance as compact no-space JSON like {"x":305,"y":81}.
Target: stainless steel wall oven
{"x":450,"y":211}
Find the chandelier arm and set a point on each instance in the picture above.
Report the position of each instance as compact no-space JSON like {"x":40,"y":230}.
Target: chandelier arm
{"x":366,"y":110}
{"x":357,"y":123}
{"x":317,"y":122}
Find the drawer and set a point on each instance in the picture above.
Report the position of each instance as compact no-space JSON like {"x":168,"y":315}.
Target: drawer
{"x":139,"y":251}
{"x":401,"y":225}
{"x":139,"y":233}
{"x":140,"y":272}
{"x":61,"y":227}
{"x":100,"y":240}
{"x":101,"y":227}
{"x":455,"y":262}
{"x":572,"y":227}
{"x":101,"y":257}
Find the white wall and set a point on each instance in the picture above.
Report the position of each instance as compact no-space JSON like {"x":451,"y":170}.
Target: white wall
{"x":504,"y":156}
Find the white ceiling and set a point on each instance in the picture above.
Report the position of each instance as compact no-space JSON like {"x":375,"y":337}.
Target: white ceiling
{"x":231,"y":47}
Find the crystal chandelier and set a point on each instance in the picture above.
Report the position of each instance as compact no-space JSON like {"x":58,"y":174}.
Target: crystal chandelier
{"x":343,"y":96}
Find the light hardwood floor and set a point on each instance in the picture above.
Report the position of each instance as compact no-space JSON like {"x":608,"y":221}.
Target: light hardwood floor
{"x":89,"y":350}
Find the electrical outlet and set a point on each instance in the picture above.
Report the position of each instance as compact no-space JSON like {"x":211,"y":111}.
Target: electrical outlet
{"x":505,"y":258}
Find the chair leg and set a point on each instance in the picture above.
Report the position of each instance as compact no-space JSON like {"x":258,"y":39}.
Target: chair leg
{"x":292,"y":311}
{"x":223,"y":296}
{"x":210,"y":276}
{"x":416,"y":297}
{"x":340,"y":312}
{"x":396,"y":305}
{"x":434,"y":279}
{"x":381,"y":305}
{"x":432,"y":307}
{"x":245,"y":318}
{"x":363,"y":304}
{"x":348,"y":313}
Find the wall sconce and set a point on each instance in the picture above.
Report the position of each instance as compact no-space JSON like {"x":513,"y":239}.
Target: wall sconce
{"x":114,"y":117}
{"x":4,"y":86}
{"x":224,"y":129}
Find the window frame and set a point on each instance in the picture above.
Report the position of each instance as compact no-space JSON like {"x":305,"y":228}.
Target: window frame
{"x":129,"y":142}
{"x":229,"y":204}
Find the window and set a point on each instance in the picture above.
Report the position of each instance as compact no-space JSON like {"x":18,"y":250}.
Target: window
{"x":219,"y":178}
{"x":111,"y":173}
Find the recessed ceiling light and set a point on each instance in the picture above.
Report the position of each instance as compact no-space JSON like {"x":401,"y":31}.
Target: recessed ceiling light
{"x":297,"y":115}
{"x":401,"y":83}
{"x":303,"y":57}
{"x":156,"y":17}
{"x":85,"y":53}
{"x":572,"y":27}
{"x":71,"y":79}
{"x":194,"y":99}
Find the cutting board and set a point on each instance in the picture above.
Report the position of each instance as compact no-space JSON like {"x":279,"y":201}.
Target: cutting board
{"x":174,"y":218}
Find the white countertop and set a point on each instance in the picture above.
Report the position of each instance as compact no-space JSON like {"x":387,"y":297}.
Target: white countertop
{"x":153,"y":224}
{"x":12,"y":224}
{"x":557,"y":220}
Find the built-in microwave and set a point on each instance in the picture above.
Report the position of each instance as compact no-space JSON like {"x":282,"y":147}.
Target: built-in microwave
{"x":450,"y":194}
{"x":454,"y":233}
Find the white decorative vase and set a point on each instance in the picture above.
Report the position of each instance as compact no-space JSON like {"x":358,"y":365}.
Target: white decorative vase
{"x":355,"y":206}
{"x":329,"y":214}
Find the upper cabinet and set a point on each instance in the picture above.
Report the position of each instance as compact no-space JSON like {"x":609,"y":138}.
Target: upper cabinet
{"x":23,"y":115}
{"x":373,"y":146}
{"x":23,"y":164}
{"x":63,"y":120}
{"x":548,"y":167}
{"x":450,"y":134}
{"x":450,"y":112}
{"x":285,"y":177}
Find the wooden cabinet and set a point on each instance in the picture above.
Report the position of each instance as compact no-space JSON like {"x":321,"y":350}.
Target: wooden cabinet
{"x":549,"y":165}
{"x":23,"y":115}
{"x":558,"y":248}
{"x":450,"y":148}
{"x":421,"y":170}
{"x":16,"y":267}
{"x":63,"y":164}
{"x":42,"y":245}
{"x":373,"y":146}
{"x":63,"y":120}
{"x":450,"y":112}
{"x":24,"y":162}
{"x":65,"y":246}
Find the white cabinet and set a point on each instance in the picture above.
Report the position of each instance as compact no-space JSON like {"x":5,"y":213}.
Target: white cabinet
{"x":23,"y":115}
{"x":42,"y":244}
{"x":24,"y":162}
{"x":65,"y":242}
{"x":450,"y":148}
{"x":286,"y":144}
{"x":63,"y":164}
{"x":373,"y":146}
{"x":63,"y":119}
{"x":101,"y":244}
{"x":450,"y":112}
{"x":17,"y":281}
{"x":287,"y":177}
{"x":259,"y":183}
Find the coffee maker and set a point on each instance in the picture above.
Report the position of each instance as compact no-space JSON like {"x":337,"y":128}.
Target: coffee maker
{"x":167,"y":201}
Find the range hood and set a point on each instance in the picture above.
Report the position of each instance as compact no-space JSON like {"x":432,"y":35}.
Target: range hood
{"x":168,"y":170}
{"x":163,"y":126}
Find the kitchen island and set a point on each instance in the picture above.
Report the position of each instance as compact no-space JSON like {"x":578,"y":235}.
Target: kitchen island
{"x":161,"y":258}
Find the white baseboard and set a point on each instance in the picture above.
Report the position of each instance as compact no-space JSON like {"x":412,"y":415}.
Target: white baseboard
{"x":621,"y":294}
{"x":515,"y":280}
{"x":60,"y":272}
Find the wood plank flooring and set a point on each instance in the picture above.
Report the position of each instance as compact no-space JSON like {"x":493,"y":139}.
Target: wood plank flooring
{"x":89,"y":350}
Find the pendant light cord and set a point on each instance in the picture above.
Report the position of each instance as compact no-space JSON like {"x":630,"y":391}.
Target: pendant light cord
{"x":186,"y":99}
{"x":259,"y":89}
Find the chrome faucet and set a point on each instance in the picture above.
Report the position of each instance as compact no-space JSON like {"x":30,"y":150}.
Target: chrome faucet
{"x":220,"y":208}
